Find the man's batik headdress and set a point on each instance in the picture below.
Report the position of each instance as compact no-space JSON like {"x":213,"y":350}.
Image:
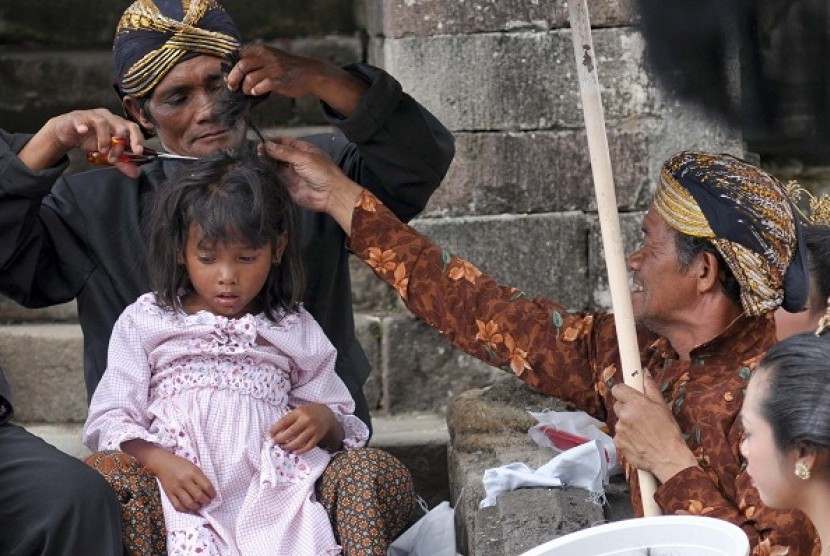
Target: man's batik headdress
{"x":153,"y":36}
{"x":746,"y":214}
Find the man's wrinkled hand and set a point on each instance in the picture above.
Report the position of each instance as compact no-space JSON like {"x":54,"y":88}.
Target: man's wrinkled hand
{"x":647,"y":434}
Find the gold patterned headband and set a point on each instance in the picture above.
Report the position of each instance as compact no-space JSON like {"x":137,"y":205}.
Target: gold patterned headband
{"x":679,"y":209}
{"x":186,"y":36}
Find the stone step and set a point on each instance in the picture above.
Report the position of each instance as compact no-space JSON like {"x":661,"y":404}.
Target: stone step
{"x":419,"y":440}
{"x":43,"y":364}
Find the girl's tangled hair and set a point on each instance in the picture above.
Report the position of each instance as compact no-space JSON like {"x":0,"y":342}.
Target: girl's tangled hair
{"x":797,"y":402}
{"x":232,"y":197}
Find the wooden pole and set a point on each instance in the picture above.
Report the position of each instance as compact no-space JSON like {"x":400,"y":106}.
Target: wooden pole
{"x":586,"y":65}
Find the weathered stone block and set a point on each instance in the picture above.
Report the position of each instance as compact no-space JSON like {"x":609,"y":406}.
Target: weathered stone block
{"x":292,"y":18}
{"x":466,"y":470}
{"x":524,"y":80}
{"x":488,"y":428}
{"x":39,"y":85}
{"x":500,"y":410}
{"x":367,"y":330}
{"x":687,"y":127}
{"x":422,"y":371}
{"x":529,"y":517}
{"x":44,"y":366}
{"x":338,"y":49}
{"x":400,"y":18}
{"x":538,"y":171}
{"x":60,"y":22}
{"x":93,"y":22}
{"x":543,"y":254}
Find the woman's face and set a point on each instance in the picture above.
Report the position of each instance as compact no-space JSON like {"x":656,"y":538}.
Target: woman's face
{"x":771,"y":471}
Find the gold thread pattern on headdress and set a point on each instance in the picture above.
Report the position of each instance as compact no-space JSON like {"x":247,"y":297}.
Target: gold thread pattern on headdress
{"x":679,"y":209}
{"x":144,"y":15}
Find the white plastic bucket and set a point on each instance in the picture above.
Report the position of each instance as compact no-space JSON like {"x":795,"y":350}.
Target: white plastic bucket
{"x":671,"y":535}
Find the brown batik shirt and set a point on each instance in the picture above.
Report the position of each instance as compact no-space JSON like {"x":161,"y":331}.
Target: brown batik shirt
{"x":574,"y":356}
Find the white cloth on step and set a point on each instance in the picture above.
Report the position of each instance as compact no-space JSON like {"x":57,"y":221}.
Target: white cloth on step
{"x":583,"y":466}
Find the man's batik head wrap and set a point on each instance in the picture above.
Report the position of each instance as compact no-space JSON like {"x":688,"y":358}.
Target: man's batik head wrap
{"x":153,"y":36}
{"x":745,"y":213}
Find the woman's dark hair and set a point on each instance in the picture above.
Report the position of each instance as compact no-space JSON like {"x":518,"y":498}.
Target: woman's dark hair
{"x":232,"y":198}
{"x":817,"y":238}
{"x":797,"y":403}
{"x":689,"y":246}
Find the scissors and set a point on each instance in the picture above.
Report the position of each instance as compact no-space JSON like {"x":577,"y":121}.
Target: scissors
{"x":100,"y":159}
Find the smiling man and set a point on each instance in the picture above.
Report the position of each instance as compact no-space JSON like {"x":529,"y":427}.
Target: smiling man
{"x":80,"y":236}
{"x":721,"y":250}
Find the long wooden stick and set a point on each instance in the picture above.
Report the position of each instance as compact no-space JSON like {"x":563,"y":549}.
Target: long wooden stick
{"x":586,"y":65}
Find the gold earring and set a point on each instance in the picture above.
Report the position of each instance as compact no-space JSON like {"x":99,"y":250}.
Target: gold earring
{"x":801,"y":470}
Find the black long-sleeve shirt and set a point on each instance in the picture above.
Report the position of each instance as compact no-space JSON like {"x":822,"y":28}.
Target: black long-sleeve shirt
{"x":79,"y":236}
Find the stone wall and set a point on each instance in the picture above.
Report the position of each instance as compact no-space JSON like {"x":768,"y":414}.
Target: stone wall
{"x":518,"y":199}
{"x":55,"y":55}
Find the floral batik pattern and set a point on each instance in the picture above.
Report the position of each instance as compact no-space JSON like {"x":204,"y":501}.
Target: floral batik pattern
{"x":142,"y":520}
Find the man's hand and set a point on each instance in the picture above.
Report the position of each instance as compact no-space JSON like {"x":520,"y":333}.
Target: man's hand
{"x":262,"y":69}
{"x":307,"y":426}
{"x":89,"y":130}
{"x":647,"y":434}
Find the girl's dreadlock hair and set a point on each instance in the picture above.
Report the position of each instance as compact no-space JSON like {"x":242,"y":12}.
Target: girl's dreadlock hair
{"x":231,"y":198}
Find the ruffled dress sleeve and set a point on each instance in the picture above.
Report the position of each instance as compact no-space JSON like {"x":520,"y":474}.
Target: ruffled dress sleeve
{"x":118,"y":410}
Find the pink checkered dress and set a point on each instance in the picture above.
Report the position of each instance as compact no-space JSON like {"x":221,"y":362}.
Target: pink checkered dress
{"x":208,"y":389}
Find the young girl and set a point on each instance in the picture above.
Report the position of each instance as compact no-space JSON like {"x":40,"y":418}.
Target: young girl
{"x":786,"y":420}
{"x":219,"y":382}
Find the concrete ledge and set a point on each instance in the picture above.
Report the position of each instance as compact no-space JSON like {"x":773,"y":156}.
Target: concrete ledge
{"x":66,"y":437}
{"x":420,"y":441}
